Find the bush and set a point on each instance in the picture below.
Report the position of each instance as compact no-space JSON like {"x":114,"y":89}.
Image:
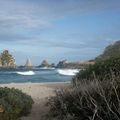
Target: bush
{"x":90,"y":100}
{"x":14,"y":104}
{"x":100,"y":69}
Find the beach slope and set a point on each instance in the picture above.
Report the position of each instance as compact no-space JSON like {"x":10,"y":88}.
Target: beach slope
{"x":39,"y":92}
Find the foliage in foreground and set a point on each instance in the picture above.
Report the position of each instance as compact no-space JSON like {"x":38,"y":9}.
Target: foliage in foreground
{"x":90,"y":100}
{"x":14,"y":104}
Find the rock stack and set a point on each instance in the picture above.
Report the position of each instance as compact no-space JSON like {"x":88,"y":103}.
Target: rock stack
{"x":28,"y":64}
{"x":44,"y":64}
{"x":62,"y":64}
{"x":7,"y":60}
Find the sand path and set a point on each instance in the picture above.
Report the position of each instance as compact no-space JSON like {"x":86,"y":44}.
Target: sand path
{"x":39,"y":93}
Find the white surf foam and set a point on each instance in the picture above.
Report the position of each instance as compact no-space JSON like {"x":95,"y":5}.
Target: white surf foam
{"x":68,"y":72}
{"x":46,"y":68}
{"x":26,"y":73}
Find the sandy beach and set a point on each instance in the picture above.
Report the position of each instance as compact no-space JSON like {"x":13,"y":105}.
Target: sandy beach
{"x":39,"y":92}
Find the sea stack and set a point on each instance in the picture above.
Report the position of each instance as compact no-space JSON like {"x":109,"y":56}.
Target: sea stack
{"x":7,"y":60}
{"x":44,"y":64}
{"x":28,"y":64}
{"x":62,"y":64}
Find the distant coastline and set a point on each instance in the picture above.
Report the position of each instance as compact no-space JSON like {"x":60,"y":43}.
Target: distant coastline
{"x":8,"y":61}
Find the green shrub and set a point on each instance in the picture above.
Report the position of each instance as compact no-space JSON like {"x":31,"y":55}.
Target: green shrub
{"x":108,"y":61}
{"x":14,"y":104}
{"x":100,"y":70}
{"x":112,"y":50}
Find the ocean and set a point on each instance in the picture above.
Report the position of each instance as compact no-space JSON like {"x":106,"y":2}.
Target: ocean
{"x":35,"y":75}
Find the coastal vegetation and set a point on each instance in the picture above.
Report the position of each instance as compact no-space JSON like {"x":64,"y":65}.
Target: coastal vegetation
{"x":109,"y":52}
{"x":105,"y":63}
{"x":7,"y":60}
{"x":95,"y":92}
{"x":100,"y":70}
{"x":14,"y":104}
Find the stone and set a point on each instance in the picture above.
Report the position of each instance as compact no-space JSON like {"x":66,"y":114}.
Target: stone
{"x":28,"y":64}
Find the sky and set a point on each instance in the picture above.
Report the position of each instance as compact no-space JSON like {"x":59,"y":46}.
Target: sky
{"x":76,"y":30}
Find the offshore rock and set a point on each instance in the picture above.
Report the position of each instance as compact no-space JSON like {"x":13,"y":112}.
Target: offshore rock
{"x":45,"y":64}
{"x":74,"y":65}
{"x":7,"y":60}
{"x":28,"y":64}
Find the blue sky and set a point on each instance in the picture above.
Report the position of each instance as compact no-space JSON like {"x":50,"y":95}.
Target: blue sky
{"x":58,"y":29}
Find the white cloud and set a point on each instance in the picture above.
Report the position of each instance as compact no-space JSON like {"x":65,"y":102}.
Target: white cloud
{"x":34,"y":13}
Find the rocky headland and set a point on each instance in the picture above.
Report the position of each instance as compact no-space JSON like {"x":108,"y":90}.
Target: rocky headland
{"x":74,"y":65}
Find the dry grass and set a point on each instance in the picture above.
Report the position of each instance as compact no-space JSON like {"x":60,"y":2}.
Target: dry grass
{"x":88,"y":100}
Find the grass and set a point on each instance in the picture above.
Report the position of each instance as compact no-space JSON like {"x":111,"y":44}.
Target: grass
{"x":88,"y":100}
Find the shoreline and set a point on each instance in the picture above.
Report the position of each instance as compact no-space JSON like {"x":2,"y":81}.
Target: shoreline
{"x":34,"y":83}
{"x":40,"y":92}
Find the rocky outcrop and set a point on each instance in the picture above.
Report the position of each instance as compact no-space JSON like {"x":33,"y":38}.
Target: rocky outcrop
{"x":74,"y":65}
{"x":7,"y":60}
{"x":53,"y":65}
{"x":28,"y":64}
{"x":62,"y":64}
{"x":0,"y":63}
{"x":44,"y":64}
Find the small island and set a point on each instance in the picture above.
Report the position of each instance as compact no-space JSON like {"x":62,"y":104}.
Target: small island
{"x":7,"y":60}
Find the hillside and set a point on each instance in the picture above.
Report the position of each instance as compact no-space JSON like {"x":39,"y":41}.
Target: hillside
{"x":105,"y":63}
{"x":110,"y":51}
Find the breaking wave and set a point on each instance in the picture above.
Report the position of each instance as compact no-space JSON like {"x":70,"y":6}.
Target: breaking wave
{"x":68,"y":72}
{"x":47,"y":68}
{"x":26,"y":73}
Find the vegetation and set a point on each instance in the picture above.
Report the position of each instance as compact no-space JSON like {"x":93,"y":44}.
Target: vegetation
{"x":105,"y":63}
{"x":92,"y":100}
{"x":14,"y":104}
{"x":100,"y":70}
{"x":95,"y":94}
{"x":7,"y":60}
{"x":110,"y":51}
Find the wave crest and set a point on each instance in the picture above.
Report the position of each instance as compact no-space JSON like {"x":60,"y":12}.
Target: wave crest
{"x":68,"y":72}
{"x":26,"y":73}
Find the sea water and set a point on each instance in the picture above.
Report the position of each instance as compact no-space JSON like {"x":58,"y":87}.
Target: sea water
{"x":35,"y":75}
